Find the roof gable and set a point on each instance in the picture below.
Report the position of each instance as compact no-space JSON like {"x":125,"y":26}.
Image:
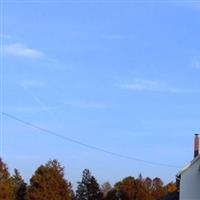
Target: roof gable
{"x":189,"y":165}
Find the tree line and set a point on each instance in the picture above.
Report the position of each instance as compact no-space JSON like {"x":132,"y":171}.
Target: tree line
{"x":48,"y":183}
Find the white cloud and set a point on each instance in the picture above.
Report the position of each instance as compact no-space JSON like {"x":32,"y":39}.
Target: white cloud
{"x":21,"y":50}
{"x":152,"y":86}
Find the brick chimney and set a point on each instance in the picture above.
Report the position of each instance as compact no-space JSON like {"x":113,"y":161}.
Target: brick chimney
{"x":196,"y":145}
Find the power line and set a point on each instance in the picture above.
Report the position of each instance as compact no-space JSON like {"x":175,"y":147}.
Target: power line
{"x":49,"y":132}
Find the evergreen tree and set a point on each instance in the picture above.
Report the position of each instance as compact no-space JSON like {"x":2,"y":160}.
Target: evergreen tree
{"x":19,"y":186}
{"x":140,"y":177}
{"x":88,"y":188}
{"x":6,"y":188}
{"x":48,"y":183}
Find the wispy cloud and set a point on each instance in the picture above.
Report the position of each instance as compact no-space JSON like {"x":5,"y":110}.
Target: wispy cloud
{"x":196,"y":64}
{"x":113,"y":36}
{"x":5,"y":36}
{"x":52,"y":108}
{"x":32,"y":84}
{"x":21,"y":50}
{"x":27,"y":85}
{"x":29,"y":109}
{"x":84,"y":104}
{"x":152,"y":86}
{"x":195,"y":4}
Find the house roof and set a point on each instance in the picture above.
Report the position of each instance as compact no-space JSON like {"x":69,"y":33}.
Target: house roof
{"x":188,"y":166}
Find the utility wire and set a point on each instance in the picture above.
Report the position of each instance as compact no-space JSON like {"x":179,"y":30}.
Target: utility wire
{"x":49,"y":132}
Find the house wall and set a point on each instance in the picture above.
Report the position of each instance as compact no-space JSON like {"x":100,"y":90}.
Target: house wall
{"x":190,"y":183}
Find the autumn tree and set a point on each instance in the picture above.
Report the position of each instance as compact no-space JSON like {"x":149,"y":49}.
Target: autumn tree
{"x":142,"y":193}
{"x":113,"y":194}
{"x":158,"y":188}
{"x":133,"y":189}
{"x":105,"y":188}
{"x":19,"y":186}
{"x":88,"y":188}
{"x":148,"y":183}
{"x":6,"y":189}
{"x":170,"y":187}
{"x":126,"y":188}
{"x":48,"y":183}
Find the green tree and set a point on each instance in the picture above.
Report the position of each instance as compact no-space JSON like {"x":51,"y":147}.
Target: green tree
{"x":6,"y":188}
{"x":19,"y":186}
{"x":48,"y":183}
{"x":88,"y":188}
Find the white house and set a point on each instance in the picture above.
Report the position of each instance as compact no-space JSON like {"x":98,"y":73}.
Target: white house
{"x":189,"y":176}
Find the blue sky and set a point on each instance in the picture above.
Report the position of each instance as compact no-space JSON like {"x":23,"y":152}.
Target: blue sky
{"x":123,"y":76}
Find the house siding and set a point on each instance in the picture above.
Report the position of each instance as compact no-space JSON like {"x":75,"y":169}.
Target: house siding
{"x":190,"y":183}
